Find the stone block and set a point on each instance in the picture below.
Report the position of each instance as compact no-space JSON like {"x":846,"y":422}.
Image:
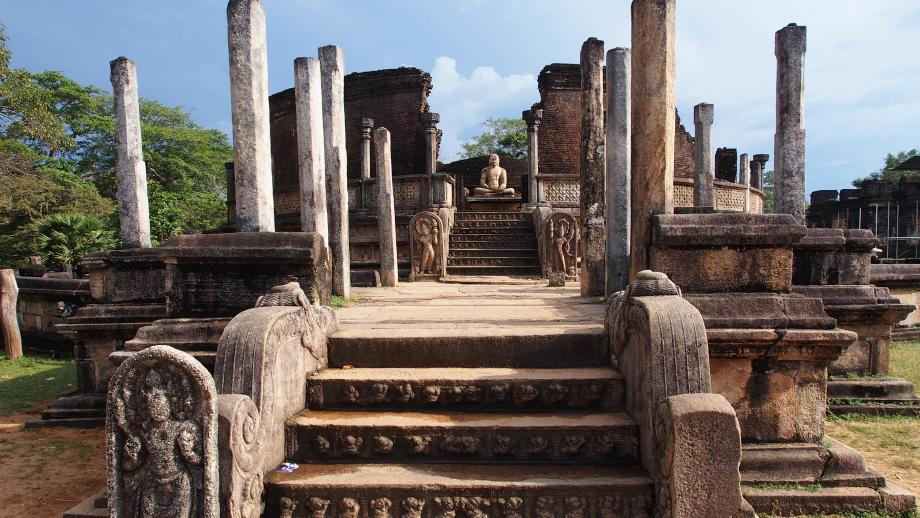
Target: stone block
{"x":131,"y":276}
{"x":220,"y":275}
{"x":701,"y":454}
{"x":725,"y":269}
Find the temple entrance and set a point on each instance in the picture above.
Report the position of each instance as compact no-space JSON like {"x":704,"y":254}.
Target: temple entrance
{"x":493,"y":243}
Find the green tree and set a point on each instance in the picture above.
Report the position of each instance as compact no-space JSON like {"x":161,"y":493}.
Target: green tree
{"x":887,"y":172}
{"x":64,"y":239}
{"x":769,"y":201}
{"x":507,"y":137}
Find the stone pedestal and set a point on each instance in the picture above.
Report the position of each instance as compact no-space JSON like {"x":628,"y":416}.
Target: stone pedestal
{"x":128,"y":293}
{"x":593,"y":160}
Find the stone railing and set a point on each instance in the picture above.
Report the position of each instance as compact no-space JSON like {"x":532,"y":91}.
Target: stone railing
{"x":690,"y":438}
{"x":563,"y":191}
{"x":411,"y":193}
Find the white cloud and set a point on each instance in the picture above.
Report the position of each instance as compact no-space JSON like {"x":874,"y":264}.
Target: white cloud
{"x":465,"y":101}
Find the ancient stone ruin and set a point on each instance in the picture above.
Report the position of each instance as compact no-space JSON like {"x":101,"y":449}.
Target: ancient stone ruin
{"x":676,"y":365}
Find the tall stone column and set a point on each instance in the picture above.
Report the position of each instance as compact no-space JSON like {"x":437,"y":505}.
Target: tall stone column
{"x":431,"y":120}
{"x":533,"y":117}
{"x":332,"y":67}
{"x":130,"y":170}
{"x":386,"y":213}
{"x":789,"y":141}
{"x":653,"y":120}
{"x":758,"y":166}
{"x":619,"y":135}
{"x":311,"y":159}
{"x":255,"y":203}
{"x":594,"y":233}
{"x":365,"y":124}
{"x":745,"y":173}
{"x":703,"y":175}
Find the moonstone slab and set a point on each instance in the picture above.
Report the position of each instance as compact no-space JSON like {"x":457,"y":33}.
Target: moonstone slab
{"x":130,"y":170}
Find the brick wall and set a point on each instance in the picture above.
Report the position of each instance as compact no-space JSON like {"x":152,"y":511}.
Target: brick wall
{"x":560,"y":132}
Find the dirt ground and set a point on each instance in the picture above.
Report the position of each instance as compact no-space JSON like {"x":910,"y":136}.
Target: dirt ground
{"x":890,"y":445}
{"x":44,"y":472}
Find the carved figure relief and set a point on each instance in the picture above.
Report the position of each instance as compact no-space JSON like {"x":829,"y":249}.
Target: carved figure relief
{"x":412,"y":507}
{"x":446,"y":506}
{"x":426,"y":245}
{"x":575,"y":507}
{"x":473,"y":506}
{"x":560,"y":244}
{"x":318,"y":507}
{"x":383,"y":444}
{"x":162,"y":437}
{"x":545,"y":507}
{"x":511,"y":507}
{"x":351,"y":445}
{"x":349,"y":508}
{"x":380,"y":508}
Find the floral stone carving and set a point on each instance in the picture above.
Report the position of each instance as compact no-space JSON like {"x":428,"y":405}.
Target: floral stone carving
{"x":161,"y":431}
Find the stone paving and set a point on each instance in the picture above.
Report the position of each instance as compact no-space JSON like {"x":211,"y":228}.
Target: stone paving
{"x":440,"y":309}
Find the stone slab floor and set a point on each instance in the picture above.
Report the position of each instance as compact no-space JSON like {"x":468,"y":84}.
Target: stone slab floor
{"x":432,"y":309}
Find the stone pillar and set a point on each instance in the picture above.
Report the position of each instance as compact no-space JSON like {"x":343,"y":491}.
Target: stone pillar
{"x":332,"y":67}
{"x":653,"y":120}
{"x":431,"y":120}
{"x":758,"y":167}
{"x":386,"y":213}
{"x":745,"y":174}
{"x":594,"y":234}
{"x":365,"y":125}
{"x":311,"y":158}
{"x":703,"y":176}
{"x":130,"y":170}
{"x":619,"y":126}
{"x":255,"y":203}
{"x":789,"y":141}
{"x":533,"y":117}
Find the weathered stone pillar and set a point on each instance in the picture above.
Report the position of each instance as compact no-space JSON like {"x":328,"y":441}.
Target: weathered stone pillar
{"x":311,"y":158}
{"x":789,"y":141}
{"x":431,"y":120}
{"x":653,"y":120}
{"x":386,"y":213}
{"x":594,"y":234}
{"x":533,"y":117}
{"x":745,"y":173}
{"x":332,"y":66}
{"x":365,"y":125}
{"x":703,"y":177}
{"x":130,"y":170}
{"x":255,"y":204}
{"x":758,"y":167}
{"x":619,"y":129}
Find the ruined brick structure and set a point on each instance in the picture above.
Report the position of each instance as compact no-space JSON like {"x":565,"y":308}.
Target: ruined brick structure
{"x":560,"y":134}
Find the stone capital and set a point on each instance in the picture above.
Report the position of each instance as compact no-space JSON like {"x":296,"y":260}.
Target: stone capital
{"x":533,"y":118}
{"x":703,"y":113}
{"x":430,"y":120}
{"x":762,"y":158}
{"x":365,"y":124}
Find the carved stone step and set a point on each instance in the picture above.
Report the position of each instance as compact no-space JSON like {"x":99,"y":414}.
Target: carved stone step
{"x":874,"y":389}
{"x":474,"y":491}
{"x":468,"y":437}
{"x":458,"y":389}
{"x":506,"y":239}
{"x":521,"y":271}
{"x":504,"y":225}
{"x":492,"y":252}
{"x":537,"y":347}
{"x":461,"y":231}
{"x":808,"y":501}
{"x":482,"y":215}
{"x":493,"y":261}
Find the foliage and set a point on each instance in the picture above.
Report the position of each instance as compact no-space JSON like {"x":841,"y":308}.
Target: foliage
{"x":506,"y":137}
{"x":886,"y":173}
{"x":64,"y":239}
{"x":769,"y":202}
{"x":57,"y":155}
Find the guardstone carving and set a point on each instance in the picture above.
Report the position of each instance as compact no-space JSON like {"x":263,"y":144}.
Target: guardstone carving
{"x":161,"y":436}
{"x":427,"y":247}
{"x":560,"y":238}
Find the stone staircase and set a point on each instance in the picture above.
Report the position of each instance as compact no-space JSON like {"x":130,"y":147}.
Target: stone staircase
{"x":493,"y":243}
{"x":464,"y":423}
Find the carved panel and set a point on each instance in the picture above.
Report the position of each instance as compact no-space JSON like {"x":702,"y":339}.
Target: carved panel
{"x":407,"y":195}
{"x":427,"y":247}
{"x":729,"y":199}
{"x":354,"y":194}
{"x":161,"y":436}
{"x":683,"y":195}
{"x":560,"y":238}
{"x":287,"y":203}
{"x":565,"y":191}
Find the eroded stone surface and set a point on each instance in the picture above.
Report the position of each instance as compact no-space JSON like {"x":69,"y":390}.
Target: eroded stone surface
{"x":593,"y":160}
{"x":311,"y":159}
{"x":386,"y":214}
{"x":619,"y":149}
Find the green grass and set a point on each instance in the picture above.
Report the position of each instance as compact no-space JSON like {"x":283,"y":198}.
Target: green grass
{"x":905,"y":361}
{"x":787,"y":486}
{"x":27,"y":381}
{"x":341,"y":302}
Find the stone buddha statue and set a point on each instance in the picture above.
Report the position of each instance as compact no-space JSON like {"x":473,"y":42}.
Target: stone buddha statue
{"x":493,"y":180}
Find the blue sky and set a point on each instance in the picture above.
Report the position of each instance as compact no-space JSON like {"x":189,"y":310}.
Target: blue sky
{"x":862,"y":78}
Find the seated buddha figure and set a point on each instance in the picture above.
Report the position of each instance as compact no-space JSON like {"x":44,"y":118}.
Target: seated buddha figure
{"x":493,"y":180}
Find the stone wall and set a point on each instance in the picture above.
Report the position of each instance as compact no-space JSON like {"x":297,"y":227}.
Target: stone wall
{"x":560,"y":132}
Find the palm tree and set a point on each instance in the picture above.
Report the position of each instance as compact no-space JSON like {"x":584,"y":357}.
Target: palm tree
{"x":65,"y":239}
